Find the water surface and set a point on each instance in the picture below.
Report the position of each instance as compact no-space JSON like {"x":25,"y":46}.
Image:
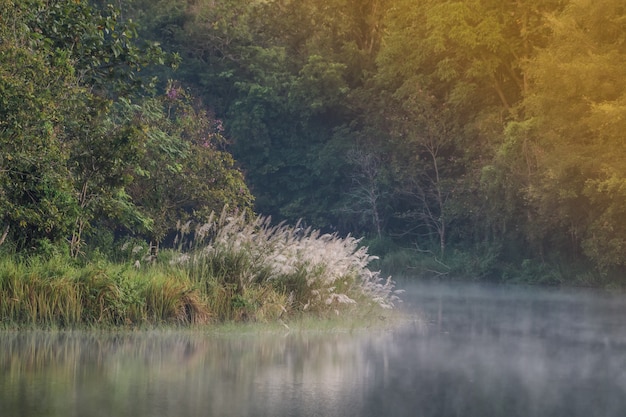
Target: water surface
{"x":463,"y":350}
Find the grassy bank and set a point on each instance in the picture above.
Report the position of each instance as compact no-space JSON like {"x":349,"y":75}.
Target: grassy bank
{"x":229,"y":269}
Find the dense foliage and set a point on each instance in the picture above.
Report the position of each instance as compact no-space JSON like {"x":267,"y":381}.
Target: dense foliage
{"x":88,"y":146}
{"x":486,"y":133}
{"x":480,"y":130}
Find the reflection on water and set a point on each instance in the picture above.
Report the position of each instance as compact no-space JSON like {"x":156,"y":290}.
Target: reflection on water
{"x":465,"y":350}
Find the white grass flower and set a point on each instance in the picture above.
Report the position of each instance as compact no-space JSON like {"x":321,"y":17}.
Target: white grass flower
{"x":184,"y":229}
{"x":183,"y":258}
{"x":203,"y":231}
{"x":281,"y":252}
{"x":339,"y":298}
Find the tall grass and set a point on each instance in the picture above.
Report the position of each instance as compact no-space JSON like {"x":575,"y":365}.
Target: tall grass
{"x":307,"y":270}
{"x":57,"y":293}
{"x":230,"y":268}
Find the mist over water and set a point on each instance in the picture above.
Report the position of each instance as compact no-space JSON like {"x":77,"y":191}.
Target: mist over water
{"x":463,"y":350}
{"x":507,"y":351}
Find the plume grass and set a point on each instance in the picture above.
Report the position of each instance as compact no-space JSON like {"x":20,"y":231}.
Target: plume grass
{"x":315,"y":272}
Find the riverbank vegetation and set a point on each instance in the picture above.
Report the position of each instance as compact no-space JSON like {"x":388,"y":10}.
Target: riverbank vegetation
{"x":229,"y":269}
{"x":108,"y":182}
{"x":473,"y":138}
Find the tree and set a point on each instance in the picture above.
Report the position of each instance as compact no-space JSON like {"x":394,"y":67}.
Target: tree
{"x":278,"y":74}
{"x":106,"y":53}
{"x":185,"y":173}
{"x":103,"y":139}
{"x":579,"y":116}
{"x":367,"y":192}
{"x":37,"y":90}
{"x":105,"y":147}
{"x":427,"y":162}
{"x":68,"y":73}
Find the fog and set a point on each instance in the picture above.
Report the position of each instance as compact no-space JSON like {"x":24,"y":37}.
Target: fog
{"x":510,"y":351}
{"x":457,"y":350}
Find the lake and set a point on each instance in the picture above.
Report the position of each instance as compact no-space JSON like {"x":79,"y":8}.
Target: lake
{"x":462,"y":350}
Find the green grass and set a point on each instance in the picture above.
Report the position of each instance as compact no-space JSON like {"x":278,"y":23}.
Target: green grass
{"x":58,"y":293}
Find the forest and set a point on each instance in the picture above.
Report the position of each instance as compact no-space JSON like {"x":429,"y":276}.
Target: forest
{"x":474,"y":138}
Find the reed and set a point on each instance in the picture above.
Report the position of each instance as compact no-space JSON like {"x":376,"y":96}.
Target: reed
{"x":231,"y":255}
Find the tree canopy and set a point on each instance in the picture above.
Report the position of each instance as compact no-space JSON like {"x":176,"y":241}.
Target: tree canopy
{"x":478,"y":126}
{"x":81,"y":129}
